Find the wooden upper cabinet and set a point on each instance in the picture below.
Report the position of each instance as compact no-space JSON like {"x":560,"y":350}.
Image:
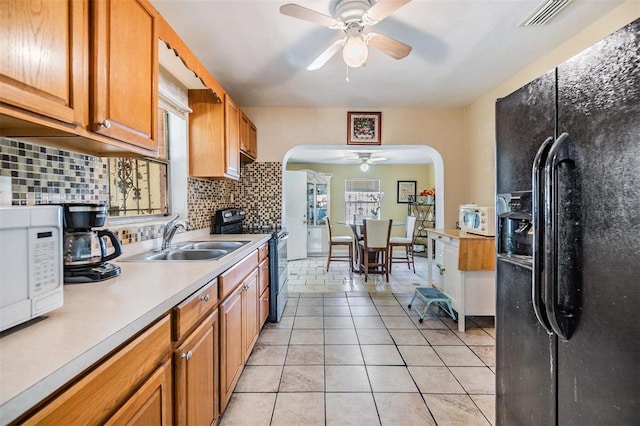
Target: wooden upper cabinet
{"x":214,"y":136}
{"x":248,"y":139}
{"x":124,"y":94}
{"x":43,"y":60}
{"x":232,"y":133}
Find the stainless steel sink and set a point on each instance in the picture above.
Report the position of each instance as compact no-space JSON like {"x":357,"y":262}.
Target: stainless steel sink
{"x":189,"y":250}
{"x":212,"y":245}
{"x":188,"y":255}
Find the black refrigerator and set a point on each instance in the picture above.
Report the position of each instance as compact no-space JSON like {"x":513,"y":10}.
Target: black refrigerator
{"x":568,"y":269}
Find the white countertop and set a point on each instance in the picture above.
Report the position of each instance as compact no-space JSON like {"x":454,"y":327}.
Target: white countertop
{"x":96,"y":318}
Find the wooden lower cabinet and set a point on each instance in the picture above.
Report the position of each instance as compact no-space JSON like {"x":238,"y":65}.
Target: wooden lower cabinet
{"x":196,"y":375}
{"x":250,"y":314}
{"x":132,"y":386}
{"x":239,"y":329}
{"x":151,"y":404}
{"x":263,"y":279}
{"x":264,"y":307}
{"x":231,"y":357}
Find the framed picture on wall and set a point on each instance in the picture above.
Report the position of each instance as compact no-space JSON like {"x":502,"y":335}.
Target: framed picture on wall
{"x":364,"y":128}
{"x":406,"y":191}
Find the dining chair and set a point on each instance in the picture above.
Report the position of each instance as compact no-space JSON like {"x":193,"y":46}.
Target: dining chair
{"x":374,"y":248}
{"x":407,"y":243}
{"x":341,"y":240}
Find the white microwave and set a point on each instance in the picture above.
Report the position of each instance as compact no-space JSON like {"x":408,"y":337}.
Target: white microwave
{"x":477,"y":220}
{"x":31,"y":267}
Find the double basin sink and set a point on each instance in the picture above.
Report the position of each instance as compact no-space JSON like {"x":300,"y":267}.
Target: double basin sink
{"x":190,"y":250}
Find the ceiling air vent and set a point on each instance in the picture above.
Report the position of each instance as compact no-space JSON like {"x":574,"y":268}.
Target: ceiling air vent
{"x":544,"y":13}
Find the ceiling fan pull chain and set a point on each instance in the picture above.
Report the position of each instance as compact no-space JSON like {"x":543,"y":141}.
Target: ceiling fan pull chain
{"x":347,"y":78}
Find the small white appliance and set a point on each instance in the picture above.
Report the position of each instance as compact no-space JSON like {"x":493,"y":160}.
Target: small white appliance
{"x":31,"y":267}
{"x":478,"y":220}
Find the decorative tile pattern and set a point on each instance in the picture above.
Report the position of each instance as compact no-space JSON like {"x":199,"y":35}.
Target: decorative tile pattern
{"x":43,"y":175}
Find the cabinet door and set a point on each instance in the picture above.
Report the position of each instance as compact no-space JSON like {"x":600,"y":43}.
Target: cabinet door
{"x":253,"y":140}
{"x":250,"y":313}
{"x":244,"y":134}
{"x":248,"y":138}
{"x":42,"y":65}
{"x":196,"y":378}
{"x":451,"y":274}
{"x":150,"y":405}
{"x":264,"y":307}
{"x":231,"y":355}
{"x":111,"y":384}
{"x":232,"y":138}
{"x":125,"y":71}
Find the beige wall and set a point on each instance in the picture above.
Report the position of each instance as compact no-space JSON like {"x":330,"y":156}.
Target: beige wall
{"x":281,"y":129}
{"x":481,"y":113}
{"x":389,"y":176}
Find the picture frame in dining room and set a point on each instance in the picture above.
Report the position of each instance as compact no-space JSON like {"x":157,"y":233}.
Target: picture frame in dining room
{"x":406,"y":191}
{"x":364,"y":128}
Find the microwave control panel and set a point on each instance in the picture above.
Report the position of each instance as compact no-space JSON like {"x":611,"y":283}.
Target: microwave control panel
{"x":44,"y":259}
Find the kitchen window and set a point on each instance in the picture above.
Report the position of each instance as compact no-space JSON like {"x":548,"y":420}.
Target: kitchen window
{"x":142,"y":187}
{"x":362,"y":198}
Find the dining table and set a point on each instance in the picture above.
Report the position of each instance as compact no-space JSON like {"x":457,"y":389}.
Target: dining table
{"x":355,"y":226}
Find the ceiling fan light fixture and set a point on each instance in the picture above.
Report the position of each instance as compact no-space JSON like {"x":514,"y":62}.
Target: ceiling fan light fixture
{"x":355,"y":52}
{"x":364,"y":166}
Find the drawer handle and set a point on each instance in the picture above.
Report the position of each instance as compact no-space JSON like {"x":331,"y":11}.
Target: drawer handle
{"x":106,"y":124}
{"x":204,"y":298}
{"x":186,"y":356}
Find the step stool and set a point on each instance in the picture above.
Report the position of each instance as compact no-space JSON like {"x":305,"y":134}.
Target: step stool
{"x":429,"y":295}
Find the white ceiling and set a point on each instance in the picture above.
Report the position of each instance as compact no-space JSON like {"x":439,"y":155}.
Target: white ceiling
{"x":461,"y":50}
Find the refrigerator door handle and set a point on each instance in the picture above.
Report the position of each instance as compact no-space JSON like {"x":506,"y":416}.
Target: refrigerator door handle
{"x":560,"y":311}
{"x":537,"y":184}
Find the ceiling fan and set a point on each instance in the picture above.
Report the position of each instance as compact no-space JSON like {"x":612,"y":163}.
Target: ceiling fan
{"x":351,"y":17}
{"x":365,"y":159}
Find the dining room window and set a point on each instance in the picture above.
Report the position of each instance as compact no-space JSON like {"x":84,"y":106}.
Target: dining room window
{"x":362,"y":198}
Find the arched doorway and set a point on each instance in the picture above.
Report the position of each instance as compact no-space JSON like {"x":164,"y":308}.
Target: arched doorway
{"x":338,"y":154}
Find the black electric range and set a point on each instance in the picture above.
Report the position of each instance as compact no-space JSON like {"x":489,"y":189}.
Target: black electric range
{"x":230,"y":221}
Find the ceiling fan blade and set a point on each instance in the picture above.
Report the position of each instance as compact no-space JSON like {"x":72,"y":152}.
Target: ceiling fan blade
{"x":381,"y":10}
{"x":376,"y":159}
{"x":301,"y":12}
{"x":392,"y":47}
{"x":326,"y":55}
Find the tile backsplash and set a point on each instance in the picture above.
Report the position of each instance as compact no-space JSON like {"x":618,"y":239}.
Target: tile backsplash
{"x":42,"y":175}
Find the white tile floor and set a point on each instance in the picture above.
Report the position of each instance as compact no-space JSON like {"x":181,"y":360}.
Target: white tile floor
{"x":351,"y":353}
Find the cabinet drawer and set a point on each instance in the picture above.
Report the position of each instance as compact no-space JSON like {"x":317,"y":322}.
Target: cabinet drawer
{"x":234,"y":275}
{"x":263,"y":276}
{"x":445,"y":239}
{"x":263,"y":252}
{"x":189,"y":313}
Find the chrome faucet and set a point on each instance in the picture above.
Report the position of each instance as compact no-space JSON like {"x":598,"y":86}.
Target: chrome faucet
{"x":170,"y":230}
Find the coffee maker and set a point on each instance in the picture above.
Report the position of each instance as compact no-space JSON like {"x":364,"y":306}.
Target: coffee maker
{"x":85,"y":250}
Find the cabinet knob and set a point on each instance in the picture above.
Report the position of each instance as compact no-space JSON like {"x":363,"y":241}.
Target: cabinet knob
{"x":442,"y":271}
{"x":106,"y":124}
{"x":204,"y":298}
{"x":186,"y":356}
